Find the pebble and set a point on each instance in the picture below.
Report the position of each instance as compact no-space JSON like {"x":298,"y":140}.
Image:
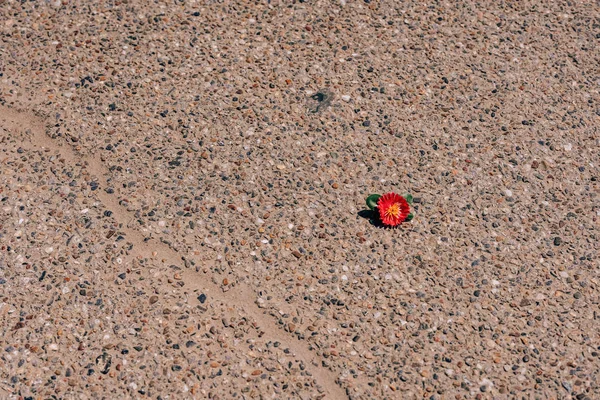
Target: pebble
{"x":567,"y":386}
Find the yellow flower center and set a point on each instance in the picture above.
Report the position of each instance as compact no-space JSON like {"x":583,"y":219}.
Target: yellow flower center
{"x":393,"y":211}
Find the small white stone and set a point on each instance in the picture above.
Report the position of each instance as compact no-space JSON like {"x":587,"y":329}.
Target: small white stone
{"x":49,"y":250}
{"x":509,"y":192}
{"x":346,"y":98}
{"x":568,"y":146}
{"x":486,"y":382}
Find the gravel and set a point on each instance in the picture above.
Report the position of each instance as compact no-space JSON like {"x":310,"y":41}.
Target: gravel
{"x":181,"y":190}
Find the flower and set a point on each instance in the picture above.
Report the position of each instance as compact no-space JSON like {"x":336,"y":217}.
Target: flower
{"x":393,"y":209}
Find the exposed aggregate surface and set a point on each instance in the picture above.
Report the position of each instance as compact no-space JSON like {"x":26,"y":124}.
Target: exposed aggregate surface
{"x":243,"y":138}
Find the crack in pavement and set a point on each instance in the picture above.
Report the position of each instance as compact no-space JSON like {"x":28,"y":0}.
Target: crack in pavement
{"x":239,"y":295}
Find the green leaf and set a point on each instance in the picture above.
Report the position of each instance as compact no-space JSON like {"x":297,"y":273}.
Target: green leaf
{"x":408,"y":197}
{"x":409,"y":217}
{"x":372,"y":201}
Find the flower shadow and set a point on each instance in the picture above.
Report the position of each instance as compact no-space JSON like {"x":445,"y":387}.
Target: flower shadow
{"x":373,"y":218}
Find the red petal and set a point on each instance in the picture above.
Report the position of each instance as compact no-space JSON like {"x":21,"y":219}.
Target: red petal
{"x":388,"y":200}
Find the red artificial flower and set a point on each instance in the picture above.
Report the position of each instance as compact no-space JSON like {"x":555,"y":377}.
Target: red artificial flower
{"x":393,"y":209}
